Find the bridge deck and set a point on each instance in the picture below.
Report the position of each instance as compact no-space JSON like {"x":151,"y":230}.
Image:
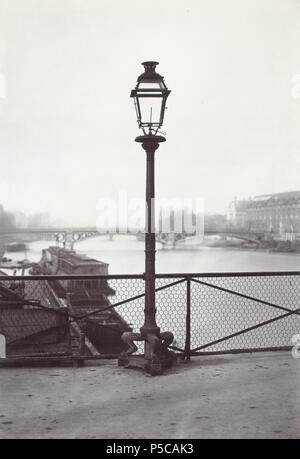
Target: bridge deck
{"x":258,"y":394}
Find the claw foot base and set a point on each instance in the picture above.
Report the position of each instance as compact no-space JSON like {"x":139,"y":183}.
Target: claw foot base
{"x":160,"y":356}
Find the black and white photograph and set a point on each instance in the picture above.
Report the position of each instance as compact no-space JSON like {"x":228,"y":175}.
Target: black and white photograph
{"x":149,"y":222}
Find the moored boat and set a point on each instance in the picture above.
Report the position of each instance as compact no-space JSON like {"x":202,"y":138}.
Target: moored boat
{"x":85,"y":296}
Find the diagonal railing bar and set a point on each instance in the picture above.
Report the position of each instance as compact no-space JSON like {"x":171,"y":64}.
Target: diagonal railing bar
{"x":175,"y":348}
{"x":247,"y":297}
{"x":57,"y":310}
{"x":75,"y":318}
{"x":248,"y":350}
{"x":246,"y":330}
{"x":112,"y":330}
{"x":41,"y":332}
{"x":128,"y":300}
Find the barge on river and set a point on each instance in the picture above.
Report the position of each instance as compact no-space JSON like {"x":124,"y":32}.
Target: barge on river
{"x":105,"y":327}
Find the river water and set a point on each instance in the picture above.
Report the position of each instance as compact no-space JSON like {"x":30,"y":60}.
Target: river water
{"x":125,"y":255}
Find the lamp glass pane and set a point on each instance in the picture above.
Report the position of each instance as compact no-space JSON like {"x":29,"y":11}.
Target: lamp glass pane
{"x":150,"y":110}
{"x":150,"y":85}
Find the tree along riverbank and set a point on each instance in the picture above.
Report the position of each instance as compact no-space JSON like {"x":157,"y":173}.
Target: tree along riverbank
{"x":269,"y":245}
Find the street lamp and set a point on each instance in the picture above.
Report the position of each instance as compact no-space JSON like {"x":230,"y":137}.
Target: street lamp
{"x":150,"y":96}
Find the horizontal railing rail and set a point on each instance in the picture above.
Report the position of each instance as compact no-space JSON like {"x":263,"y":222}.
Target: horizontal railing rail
{"x":158,"y":276}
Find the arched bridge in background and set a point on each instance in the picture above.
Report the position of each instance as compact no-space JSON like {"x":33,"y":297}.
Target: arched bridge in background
{"x":68,"y":237}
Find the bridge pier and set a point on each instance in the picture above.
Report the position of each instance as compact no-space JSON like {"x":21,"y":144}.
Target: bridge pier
{"x":69,"y":241}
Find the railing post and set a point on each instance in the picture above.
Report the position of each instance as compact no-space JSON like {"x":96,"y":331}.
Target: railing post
{"x":187,"y":351}
{"x":81,"y":344}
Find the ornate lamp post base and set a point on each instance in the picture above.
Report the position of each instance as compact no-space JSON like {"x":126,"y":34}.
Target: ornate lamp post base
{"x":157,"y":357}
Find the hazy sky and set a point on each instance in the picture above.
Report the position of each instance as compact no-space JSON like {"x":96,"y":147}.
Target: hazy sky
{"x":67,"y":125}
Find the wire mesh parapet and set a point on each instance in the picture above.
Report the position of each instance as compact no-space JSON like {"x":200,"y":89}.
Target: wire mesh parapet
{"x":207,"y":313}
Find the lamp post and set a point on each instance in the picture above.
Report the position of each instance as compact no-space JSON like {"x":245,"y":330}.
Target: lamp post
{"x":150,"y":96}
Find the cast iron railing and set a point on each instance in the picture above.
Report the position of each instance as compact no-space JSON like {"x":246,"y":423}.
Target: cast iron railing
{"x":209,"y":313}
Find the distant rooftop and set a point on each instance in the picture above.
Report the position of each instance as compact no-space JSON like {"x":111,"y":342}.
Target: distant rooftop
{"x":284,"y":195}
{"x":241,"y":204}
